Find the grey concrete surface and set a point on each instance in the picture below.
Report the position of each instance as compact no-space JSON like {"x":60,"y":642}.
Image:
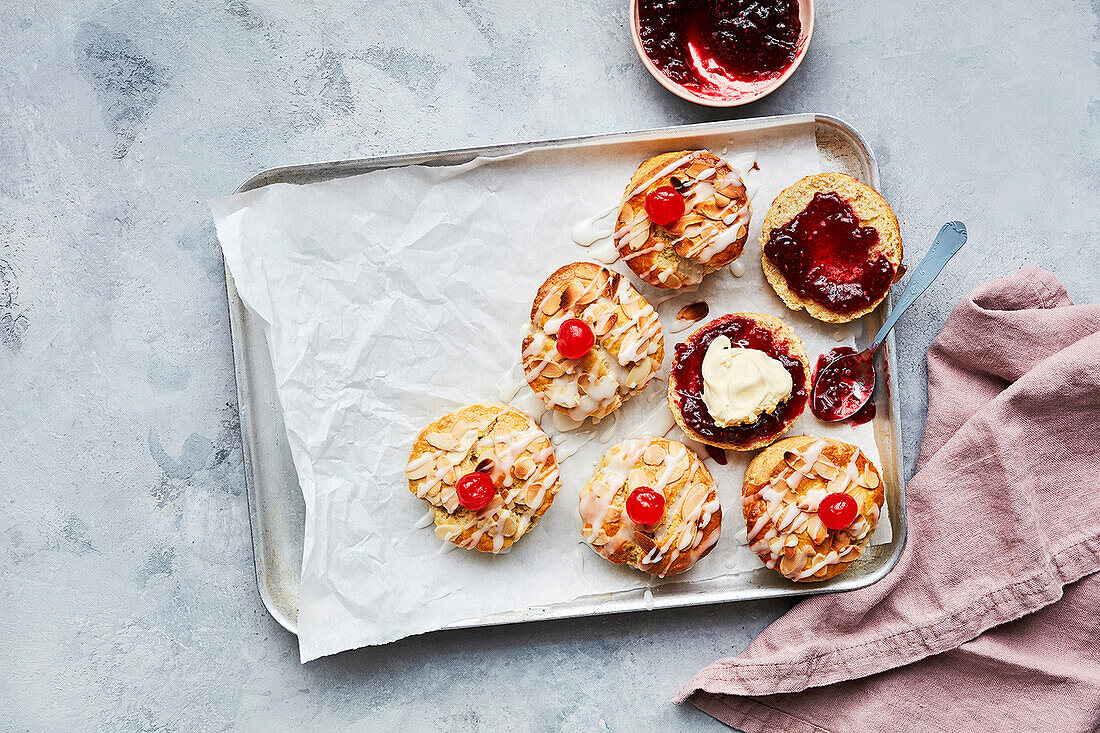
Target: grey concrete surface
{"x":127,"y":599}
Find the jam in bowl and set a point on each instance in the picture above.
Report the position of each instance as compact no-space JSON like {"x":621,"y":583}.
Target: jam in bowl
{"x":721,"y":52}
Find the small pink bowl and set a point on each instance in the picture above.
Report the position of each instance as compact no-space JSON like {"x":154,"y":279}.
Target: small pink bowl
{"x":740,"y":92}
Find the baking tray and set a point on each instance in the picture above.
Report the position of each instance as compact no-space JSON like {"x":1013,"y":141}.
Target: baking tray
{"x":276,"y":509}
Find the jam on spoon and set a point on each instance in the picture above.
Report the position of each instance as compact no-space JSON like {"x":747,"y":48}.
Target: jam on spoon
{"x":708,"y":45}
{"x":833,"y":397}
{"x":844,"y":385}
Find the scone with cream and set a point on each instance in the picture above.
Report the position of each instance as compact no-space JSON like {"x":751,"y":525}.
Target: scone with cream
{"x":651,"y":504}
{"x":739,"y":382}
{"x":831,"y":245}
{"x":683,"y":216}
{"x":811,"y":505}
{"x":593,"y":342}
{"x":487,"y":471}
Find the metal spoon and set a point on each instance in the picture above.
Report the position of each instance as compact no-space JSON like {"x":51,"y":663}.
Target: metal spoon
{"x":858,"y":369}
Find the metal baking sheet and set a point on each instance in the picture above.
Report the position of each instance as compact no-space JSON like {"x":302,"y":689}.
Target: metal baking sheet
{"x":275,"y":506}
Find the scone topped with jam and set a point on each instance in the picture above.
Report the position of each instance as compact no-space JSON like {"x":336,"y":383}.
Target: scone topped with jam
{"x":683,"y":216}
{"x":651,"y":504}
{"x":739,"y":382}
{"x":811,"y":505}
{"x":831,"y":245}
{"x":593,"y":342}
{"x":488,"y":472}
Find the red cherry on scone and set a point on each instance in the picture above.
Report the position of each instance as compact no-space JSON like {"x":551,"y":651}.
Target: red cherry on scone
{"x":575,"y":338}
{"x":645,"y":506}
{"x":664,"y":205}
{"x":837,"y":510}
{"x":475,"y":491}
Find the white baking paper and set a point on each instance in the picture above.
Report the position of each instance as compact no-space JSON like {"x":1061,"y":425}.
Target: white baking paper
{"x":396,"y":296}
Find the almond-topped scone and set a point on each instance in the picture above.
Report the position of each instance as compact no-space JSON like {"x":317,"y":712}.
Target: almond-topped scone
{"x":594,"y":341}
{"x":831,"y":245}
{"x":811,"y":505}
{"x":651,"y":504}
{"x":683,"y":216}
{"x":488,"y":472}
{"x":739,"y":382}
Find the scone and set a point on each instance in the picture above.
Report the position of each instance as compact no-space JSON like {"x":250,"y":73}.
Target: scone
{"x":811,"y":505}
{"x":488,"y":472}
{"x":593,"y":342}
{"x":651,"y":504}
{"x":683,"y":216}
{"x":832,"y":246}
{"x":739,"y":382}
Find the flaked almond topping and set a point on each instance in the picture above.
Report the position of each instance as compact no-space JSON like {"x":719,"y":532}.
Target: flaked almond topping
{"x":523,"y":467}
{"x":451,"y":476}
{"x":869,"y":478}
{"x":841,"y":540}
{"x":442,"y":441}
{"x":653,"y":455}
{"x":795,"y":461}
{"x":571,"y":293}
{"x":509,"y":525}
{"x":485,"y":465}
{"x":552,"y":370}
{"x":826,"y":471}
{"x":533,"y":491}
{"x":637,"y":478}
{"x":817,"y":529}
{"x":693,"y":312}
{"x":693,"y":501}
{"x":419,"y":471}
{"x":638,"y":374}
{"x":680,"y":470}
{"x":551,"y":304}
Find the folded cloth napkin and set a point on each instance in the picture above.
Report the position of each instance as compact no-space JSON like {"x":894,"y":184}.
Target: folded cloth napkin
{"x":975,"y":629}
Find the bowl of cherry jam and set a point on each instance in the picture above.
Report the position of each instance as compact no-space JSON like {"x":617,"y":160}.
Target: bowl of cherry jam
{"x":721,"y":53}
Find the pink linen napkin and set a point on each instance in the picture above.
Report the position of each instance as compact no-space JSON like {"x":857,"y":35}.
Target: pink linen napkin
{"x":974,"y":629}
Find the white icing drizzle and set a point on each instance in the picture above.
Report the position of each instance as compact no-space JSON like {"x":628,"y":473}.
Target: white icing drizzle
{"x":594,"y":228}
{"x":657,"y":423}
{"x":787,"y":514}
{"x":628,"y":333}
{"x":521,"y":489}
{"x":633,"y":239}
{"x":692,"y":504}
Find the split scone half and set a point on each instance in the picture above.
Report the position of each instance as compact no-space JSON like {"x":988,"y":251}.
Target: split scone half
{"x":507,"y":448}
{"x":832,"y":246}
{"x":739,"y":382}
{"x":626,"y":342}
{"x":787,"y":490}
{"x":679,"y":523}
{"x":710,"y":234}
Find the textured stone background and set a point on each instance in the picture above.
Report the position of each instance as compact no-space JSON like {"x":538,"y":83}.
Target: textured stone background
{"x":127,"y":598}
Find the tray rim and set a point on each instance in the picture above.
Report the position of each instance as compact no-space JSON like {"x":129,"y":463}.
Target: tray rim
{"x":329,"y":170}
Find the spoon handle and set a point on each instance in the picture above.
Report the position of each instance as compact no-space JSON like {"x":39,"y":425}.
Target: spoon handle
{"x":950,"y":240}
